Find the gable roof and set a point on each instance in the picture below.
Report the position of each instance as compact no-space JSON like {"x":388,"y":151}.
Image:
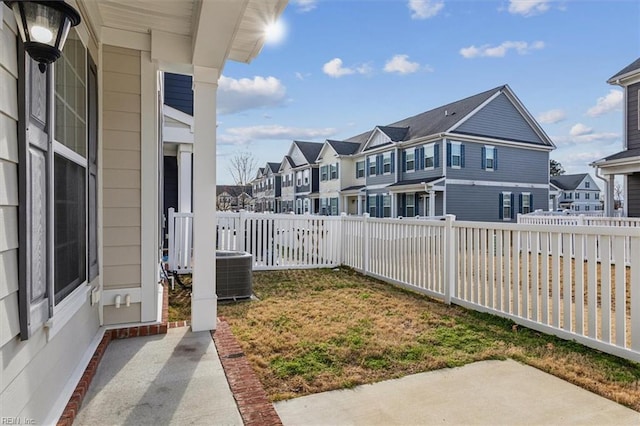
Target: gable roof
{"x":396,"y":134}
{"x":568,"y":182}
{"x":630,"y":69}
{"x":233,"y":190}
{"x":434,"y":121}
{"x":275,"y":167}
{"x":344,"y":148}
{"x":309,"y":150}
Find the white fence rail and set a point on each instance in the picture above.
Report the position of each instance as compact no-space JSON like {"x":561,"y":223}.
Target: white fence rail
{"x":589,"y":293}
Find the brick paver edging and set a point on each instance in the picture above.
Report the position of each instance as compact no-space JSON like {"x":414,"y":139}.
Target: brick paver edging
{"x":253,"y":403}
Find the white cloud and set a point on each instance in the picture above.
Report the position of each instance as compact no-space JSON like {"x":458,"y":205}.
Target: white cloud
{"x":235,"y":95}
{"x":580,"y":129}
{"x":611,"y":102}
{"x":552,"y":116}
{"x":528,"y":7}
{"x":335,"y":69}
{"x":305,"y":5}
{"x":400,"y":64}
{"x":424,"y":9}
{"x":244,"y":135}
{"x":499,"y":51}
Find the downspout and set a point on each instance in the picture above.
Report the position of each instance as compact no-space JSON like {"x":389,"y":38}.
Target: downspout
{"x":608,"y":198}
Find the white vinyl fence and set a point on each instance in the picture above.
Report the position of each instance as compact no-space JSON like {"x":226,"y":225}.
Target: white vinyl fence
{"x":579,"y":282}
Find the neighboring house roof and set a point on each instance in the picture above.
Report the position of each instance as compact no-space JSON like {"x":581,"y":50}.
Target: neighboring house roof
{"x":354,"y":187}
{"x":568,"y":182}
{"x":396,"y":134}
{"x":433,"y":121}
{"x":344,"y":148}
{"x":378,"y":146}
{"x":233,"y":190}
{"x":629,"y":153}
{"x":630,"y":69}
{"x":415,"y":181}
{"x":309,"y":150}
{"x":275,"y":167}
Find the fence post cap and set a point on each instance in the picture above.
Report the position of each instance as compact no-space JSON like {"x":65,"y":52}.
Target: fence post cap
{"x":365,"y":215}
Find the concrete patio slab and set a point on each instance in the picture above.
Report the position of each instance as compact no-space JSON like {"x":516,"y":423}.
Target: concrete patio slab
{"x":483,"y":393}
{"x":175,"y":378}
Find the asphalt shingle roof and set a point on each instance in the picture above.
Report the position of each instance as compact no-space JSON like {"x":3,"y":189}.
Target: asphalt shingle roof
{"x":568,"y":182}
{"x":396,"y":134}
{"x":274,"y":167}
{"x":344,"y":148}
{"x":635,"y":65}
{"x":415,"y":181}
{"x":624,"y":154}
{"x":310,"y":150}
{"x":434,"y":121}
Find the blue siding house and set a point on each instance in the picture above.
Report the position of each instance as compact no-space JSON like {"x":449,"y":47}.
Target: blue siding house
{"x":481,"y":158}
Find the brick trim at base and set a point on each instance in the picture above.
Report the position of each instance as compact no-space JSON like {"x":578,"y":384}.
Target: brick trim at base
{"x":253,"y":403}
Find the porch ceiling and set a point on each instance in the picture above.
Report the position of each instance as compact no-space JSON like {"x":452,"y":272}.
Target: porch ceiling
{"x":224,"y":29}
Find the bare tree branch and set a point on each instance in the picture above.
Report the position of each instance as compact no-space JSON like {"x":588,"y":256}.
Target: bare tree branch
{"x":243,"y":167}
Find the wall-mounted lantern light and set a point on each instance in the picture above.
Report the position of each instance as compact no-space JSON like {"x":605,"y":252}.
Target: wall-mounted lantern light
{"x":43,"y":27}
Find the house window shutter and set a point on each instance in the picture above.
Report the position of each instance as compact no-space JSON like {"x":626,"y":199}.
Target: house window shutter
{"x":531,"y":202}
{"x":404,"y":161}
{"x":403,"y":204}
{"x":337,"y":170}
{"x":93,"y":169}
{"x":501,"y":206}
{"x":421,"y":156}
{"x":448,"y":154}
{"x":520,"y":203}
{"x":436,"y":155}
{"x":461,"y":155}
{"x":33,"y":279}
{"x":416,"y":203}
{"x":393,"y":162}
{"x":495,"y":158}
{"x":513,"y":211}
{"x":368,"y":169}
{"x":483,"y":159}
{"x":379,"y":164}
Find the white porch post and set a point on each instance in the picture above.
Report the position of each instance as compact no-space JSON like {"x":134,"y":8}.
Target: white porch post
{"x":203,"y":298}
{"x":432,"y":203}
{"x":359,"y":205}
{"x":609,"y":204}
{"x":394,"y":205}
{"x":185,"y":154}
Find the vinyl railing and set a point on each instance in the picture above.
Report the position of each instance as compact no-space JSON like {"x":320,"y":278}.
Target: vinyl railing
{"x":579,"y":282}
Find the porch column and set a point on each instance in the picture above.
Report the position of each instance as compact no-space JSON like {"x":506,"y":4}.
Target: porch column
{"x":432,"y":203}
{"x":185,"y":154}
{"x":203,"y":298}
{"x":394,"y":205}
{"x":359,"y":205}
{"x":609,"y":202}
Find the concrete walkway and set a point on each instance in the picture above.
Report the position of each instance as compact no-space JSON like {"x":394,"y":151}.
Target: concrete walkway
{"x":175,"y":378}
{"x":484,"y":393}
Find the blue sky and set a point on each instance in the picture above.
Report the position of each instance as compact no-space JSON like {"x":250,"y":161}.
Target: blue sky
{"x":344,"y":67}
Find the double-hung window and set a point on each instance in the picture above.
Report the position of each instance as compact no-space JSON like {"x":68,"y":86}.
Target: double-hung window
{"x":298,"y":178}
{"x":324,"y":173}
{"x":373,"y":199}
{"x":410,"y":160}
{"x":587,"y":185}
{"x":386,"y":206}
{"x":372,"y":165}
{"x":577,"y":195}
{"x":58,"y":191}
{"x":429,"y":156}
{"x":456,"y":155}
{"x":359,"y":169}
{"x":489,"y":158}
{"x":333,"y":171}
{"x":386,"y":163}
{"x":333,"y":202}
{"x":410,"y":205}
{"x":587,"y":196}
{"x":525,"y":203}
{"x":506,"y":206}
{"x":305,"y":177}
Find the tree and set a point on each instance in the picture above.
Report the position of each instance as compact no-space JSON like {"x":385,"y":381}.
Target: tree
{"x":555,"y":168}
{"x":618,"y":195}
{"x":243,"y":167}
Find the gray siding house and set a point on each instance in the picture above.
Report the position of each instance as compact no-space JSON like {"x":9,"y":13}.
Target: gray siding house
{"x":579,"y":193}
{"x":301,"y":161}
{"x":625,"y":163}
{"x":481,"y":158}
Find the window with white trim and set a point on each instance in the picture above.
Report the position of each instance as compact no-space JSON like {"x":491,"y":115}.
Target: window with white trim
{"x":333,"y":204}
{"x":373,"y":199}
{"x":359,"y":169}
{"x":587,"y":196}
{"x":577,"y":195}
{"x":307,"y":204}
{"x":489,"y":157}
{"x":298,"y":178}
{"x":305,"y":177}
{"x":299,"y":206}
{"x":372,"y":165}
{"x":586,"y":208}
{"x":386,"y":206}
{"x":429,"y":156}
{"x":410,"y":163}
{"x":386,"y":163}
{"x":456,"y":154}
{"x":324,"y":173}
{"x":506,"y":206}
{"x":526,"y":203}
{"x":58,"y":190}
{"x":410,"y":205}
{"x":333,"y":171}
